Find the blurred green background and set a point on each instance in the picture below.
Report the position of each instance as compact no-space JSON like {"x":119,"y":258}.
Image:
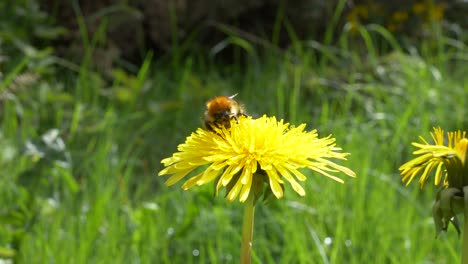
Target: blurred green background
{"x":93,"y":94}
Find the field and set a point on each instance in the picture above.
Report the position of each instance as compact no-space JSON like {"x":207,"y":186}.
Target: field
{"x":80,"y":154}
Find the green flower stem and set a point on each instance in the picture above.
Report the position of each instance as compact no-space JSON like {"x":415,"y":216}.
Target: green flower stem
{"x":465,"y":227}
{"x":247,"y":229}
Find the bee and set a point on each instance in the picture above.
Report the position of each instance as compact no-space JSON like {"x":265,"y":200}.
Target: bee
{"x":221,"y":110}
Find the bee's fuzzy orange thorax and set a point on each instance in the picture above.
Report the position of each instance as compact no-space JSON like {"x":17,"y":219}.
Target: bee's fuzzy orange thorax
{"x":218,"y":103}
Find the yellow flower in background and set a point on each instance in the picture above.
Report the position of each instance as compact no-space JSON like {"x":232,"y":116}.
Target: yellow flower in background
{"x":436,"y":13}
{"x":356,"y":16}
{"x":448,"y":158}
{"x":250,"y":150}
{"x":419,"y":8}
{"x":399,"y":16}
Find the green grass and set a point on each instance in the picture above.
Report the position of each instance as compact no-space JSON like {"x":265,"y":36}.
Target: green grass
{"x":97,"y":198}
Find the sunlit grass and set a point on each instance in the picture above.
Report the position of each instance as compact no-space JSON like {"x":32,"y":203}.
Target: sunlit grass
{"x":107,"y":205}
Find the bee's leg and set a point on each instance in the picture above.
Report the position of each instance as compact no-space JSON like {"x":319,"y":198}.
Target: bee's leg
{"x":210,"y":126}
{"x":236,"y":117}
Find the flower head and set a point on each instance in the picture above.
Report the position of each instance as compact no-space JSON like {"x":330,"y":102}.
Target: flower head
{"x":450,"y":163}
{"x":449,"y":160}
{"x":253,"y":149}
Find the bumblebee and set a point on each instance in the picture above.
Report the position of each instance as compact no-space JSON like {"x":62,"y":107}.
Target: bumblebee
{"x":221,"y":110}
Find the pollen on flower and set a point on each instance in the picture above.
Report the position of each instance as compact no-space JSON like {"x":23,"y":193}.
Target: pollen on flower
{"x":253,"y":152}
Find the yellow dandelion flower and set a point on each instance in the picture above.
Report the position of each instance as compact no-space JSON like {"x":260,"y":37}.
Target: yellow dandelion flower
{"x":448,"y":160}
{"x":251,"y":149}
{"x":362,"y":11}
{"x":392,"y":27}
{"x":437,"y":12}
{"x":400,"y":16}
{"x":355,"y":17}
{"x":419,"y":8}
